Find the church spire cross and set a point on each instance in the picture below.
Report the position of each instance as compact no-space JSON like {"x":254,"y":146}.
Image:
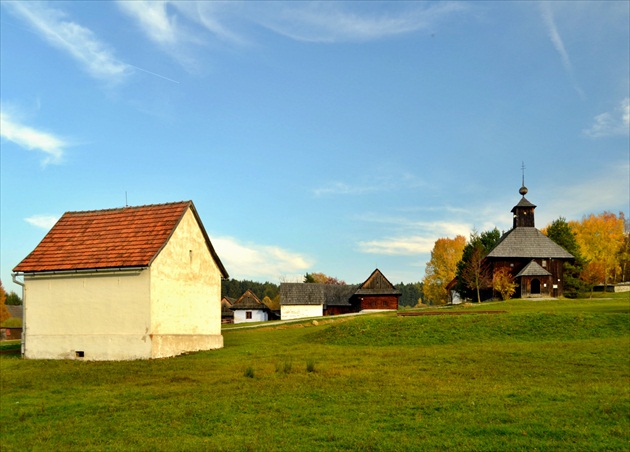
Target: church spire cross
{"x":523,"y":189}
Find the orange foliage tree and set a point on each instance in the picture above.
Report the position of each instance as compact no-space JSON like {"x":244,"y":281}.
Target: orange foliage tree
{"x":4,"y":312}
{"x":440,"y":270}
{"x":601,"y":237}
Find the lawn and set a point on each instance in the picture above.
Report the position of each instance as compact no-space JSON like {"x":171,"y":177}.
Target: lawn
{"x":546,"y":375}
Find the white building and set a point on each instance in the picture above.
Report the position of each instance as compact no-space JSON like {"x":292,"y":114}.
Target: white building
{"x":248,"y":308}
{"x":127,"y":283}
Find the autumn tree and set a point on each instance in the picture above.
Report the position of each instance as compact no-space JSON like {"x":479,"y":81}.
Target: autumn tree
{"x":4,"y":312}
{"x":321,"y":278}
{"x":440,"y":270}
{"x":592,"y":274}
{"x":623,"y":258}
{"x":600,"y":238}
{"x":473,"y":272}
{"x":503,"y":282}
{"x":273,"y":304}
{"x":562,"y":233}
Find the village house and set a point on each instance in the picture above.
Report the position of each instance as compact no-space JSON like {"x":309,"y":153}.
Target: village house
{"x":248,"y":308}
{"x":534,"y":260}
{"x":300,"y":300}
{"x":227,"y":315}
{"x":125,"y":283}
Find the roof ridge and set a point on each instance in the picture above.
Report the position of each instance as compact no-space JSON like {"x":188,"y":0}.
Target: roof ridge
{"x":116,"y":209}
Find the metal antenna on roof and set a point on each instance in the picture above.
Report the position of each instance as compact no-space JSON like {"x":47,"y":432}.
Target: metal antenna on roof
{"x":126,"y":203}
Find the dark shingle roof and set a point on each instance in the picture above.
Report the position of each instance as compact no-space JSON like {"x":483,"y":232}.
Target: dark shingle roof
{"x":248,"y":301}
{"x":523,"y":203}
{"x":533,"y":269}
{"x":339,"y":295}
{"x":316,"y":294}
{"x":528,"y":242}
{"x":301,"y":294}
{"x":15,"y":310}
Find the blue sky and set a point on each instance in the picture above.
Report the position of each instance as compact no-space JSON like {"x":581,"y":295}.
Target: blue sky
{"x":313,"y":137}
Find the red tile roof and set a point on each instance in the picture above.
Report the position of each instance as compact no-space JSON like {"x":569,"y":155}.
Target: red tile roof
{"x":112,"y":238}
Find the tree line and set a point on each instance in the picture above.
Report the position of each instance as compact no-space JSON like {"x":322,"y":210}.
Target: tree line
{"x":600,"y":244}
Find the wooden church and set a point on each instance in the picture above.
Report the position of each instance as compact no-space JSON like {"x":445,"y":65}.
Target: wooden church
{"x":535,"y":261}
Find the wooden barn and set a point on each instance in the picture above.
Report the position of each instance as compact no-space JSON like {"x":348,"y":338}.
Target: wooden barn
{"x":534,"y":260}
{"x":300,"y":300}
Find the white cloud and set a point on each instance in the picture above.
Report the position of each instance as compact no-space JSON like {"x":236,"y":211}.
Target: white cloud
{"x":616,"y":122}
{"x":78,"y":41}
{"x":42,"y":221}
{"x":32,"y":139}
{"x":259,"y":261}
{"x":342,"y":22}
{"x":153,"y":19}
{"x":411,"y":245}
{"x":342,"y":188}
{"x":172,"y":24}
{"x":558,"y":43}
{"x":416,"y":237}
{"x":378,"y":184}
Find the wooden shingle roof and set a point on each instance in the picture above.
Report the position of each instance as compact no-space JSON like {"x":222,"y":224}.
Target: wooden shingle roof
{"x":533,"y":269}
{"x":248,"y":300}
{"x":316,"y":294}
{"x":109,"y":239}
{"x":528,"y":242}
{"x":302,"y":294}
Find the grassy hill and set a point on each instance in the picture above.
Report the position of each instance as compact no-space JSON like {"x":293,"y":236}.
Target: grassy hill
{"x":546,"y":375}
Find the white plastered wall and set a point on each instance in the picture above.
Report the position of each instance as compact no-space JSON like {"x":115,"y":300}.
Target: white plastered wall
{"x":294,"y":311}
{"x":258,"y":315}
{"x":103,"y":316}
{"x":185,"y":294}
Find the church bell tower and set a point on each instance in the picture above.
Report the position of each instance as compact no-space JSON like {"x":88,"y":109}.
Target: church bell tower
{"x":523,"y":212}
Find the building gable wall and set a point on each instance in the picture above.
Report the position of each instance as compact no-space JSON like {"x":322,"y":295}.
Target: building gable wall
{"x":185,"y":293}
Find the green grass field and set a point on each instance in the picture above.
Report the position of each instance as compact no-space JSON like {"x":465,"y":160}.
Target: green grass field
{"x":546,"y":375}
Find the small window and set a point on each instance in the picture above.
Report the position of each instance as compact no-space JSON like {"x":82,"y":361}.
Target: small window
{"x":248,"y":314}
{"x":79,"y":354}
{"x":544,"y":262}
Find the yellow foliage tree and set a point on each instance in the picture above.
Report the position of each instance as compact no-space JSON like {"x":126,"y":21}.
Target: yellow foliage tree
{"x":503,"y":282}
{"x":4,"y":312}
{"x":601,"y":237}
{"x":440,"y":270}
